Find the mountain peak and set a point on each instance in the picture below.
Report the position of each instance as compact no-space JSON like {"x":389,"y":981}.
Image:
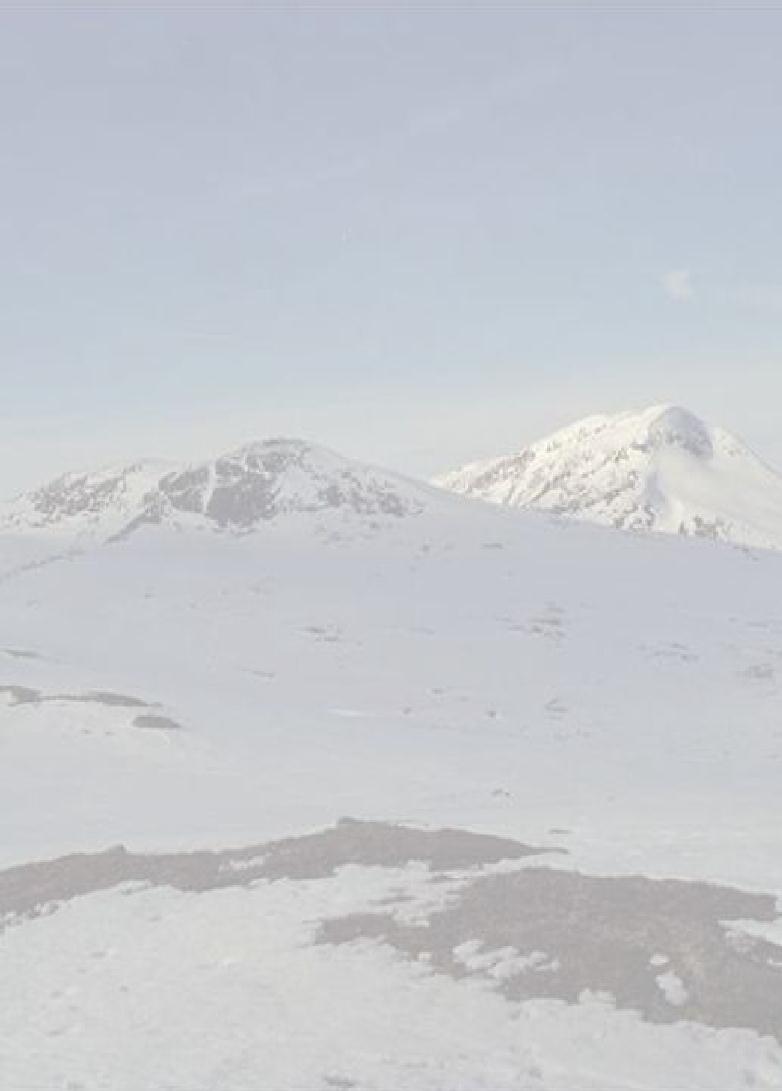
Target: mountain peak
{"x":658,"y":469}
{"x":282,"y":476}
{"x":673,"y":426}
{"x":653,"y":428}
{"x":257,"y":482}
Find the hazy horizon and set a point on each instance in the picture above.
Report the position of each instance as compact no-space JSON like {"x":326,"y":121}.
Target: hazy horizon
{"x":188,"y":446}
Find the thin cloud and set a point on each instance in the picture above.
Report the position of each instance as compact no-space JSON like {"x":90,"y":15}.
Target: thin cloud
{"x":677,"y":284}
{"x":767,"y":297}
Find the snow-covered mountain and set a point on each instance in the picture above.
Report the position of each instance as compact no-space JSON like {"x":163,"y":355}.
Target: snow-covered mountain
{"x":662,"y":469}
{"x":236,"y":491}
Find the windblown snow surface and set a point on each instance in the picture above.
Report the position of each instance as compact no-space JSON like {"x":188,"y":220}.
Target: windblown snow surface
{"x":316,"y":778}
{"x":662,"y":469}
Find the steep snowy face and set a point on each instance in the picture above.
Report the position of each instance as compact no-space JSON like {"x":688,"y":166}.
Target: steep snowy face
{"x":240,"y":490}
{"x":282,"y":477}
{"x":662,"y":469}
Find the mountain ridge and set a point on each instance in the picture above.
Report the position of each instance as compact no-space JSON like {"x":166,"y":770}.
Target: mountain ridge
{"x":661,"y":469}
{"x":239,"y":490}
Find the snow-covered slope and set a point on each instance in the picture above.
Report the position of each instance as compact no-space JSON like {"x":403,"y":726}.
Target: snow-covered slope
{"x":662,"y":469}
{"x":282,"y":638}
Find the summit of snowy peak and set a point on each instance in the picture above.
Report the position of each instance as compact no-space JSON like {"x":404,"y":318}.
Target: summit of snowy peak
{"x":659,"y":469}
{"x":283,"y":476}
{"x":649,"y":430}
{"x":672,"y":426}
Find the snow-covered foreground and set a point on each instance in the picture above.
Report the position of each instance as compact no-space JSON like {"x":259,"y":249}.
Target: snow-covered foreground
{"x":434,"y":662}
{"x":297,"y":967}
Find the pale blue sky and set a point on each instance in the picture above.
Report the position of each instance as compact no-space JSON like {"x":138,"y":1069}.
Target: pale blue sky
{"x":416,"y":238}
